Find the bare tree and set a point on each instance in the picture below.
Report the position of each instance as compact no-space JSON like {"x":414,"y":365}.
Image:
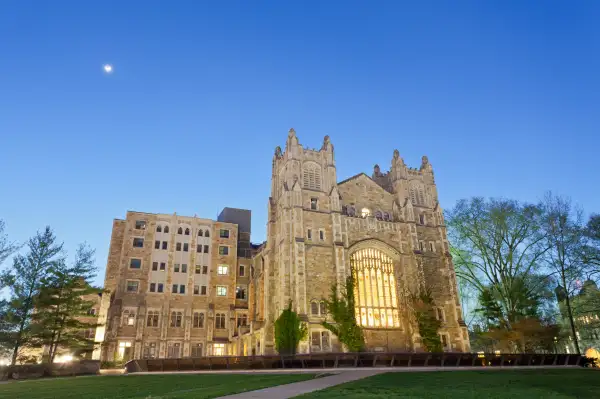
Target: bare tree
{"x":496,"y":245}
{"x":564,"y":230}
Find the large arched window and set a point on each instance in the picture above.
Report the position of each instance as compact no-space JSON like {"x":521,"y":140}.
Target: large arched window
{"x":311,"y":176}
{"x":375,"y":289}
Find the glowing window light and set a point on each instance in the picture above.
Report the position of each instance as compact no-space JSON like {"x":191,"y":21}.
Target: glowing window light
{"x":375,"y":291}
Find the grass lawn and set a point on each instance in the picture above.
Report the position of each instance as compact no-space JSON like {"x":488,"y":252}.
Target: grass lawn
{"x":145,"y":386}
{"x":548,"y":383}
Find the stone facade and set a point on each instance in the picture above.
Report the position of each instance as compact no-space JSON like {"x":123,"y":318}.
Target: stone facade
{"x":387,"y":229}
{"x":173,"y":287}
{"x":318,"y":227}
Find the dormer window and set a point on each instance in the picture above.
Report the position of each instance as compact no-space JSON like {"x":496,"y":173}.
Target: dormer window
{"x":313,"y":204}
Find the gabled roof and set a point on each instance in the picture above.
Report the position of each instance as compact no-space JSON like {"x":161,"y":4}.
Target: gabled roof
{"x":368,"y":178}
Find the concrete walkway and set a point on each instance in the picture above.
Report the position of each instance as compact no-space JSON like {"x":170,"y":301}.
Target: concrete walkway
{"x":300,"y":388}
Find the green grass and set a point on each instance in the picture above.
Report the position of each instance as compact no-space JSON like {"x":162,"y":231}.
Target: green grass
{"x":145,"y":386}
{"x":548,"y":383}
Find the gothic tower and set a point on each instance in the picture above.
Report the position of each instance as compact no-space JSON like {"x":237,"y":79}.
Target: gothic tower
{"x":386,"y":229}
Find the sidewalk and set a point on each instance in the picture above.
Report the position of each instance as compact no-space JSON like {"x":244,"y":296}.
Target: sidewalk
{"x":299,"y":388}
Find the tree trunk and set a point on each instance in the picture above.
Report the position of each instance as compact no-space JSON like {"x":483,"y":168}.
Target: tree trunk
{"x":572,"y":322}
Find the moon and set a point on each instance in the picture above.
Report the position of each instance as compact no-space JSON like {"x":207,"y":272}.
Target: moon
{"x":107,"y":68}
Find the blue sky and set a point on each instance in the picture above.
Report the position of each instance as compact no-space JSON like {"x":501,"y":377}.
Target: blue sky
{"x":503,"y":96}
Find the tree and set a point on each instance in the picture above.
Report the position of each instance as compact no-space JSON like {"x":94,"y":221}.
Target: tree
{"x":61,"y":306}
{"x":564,"y":230}
{"x":24,"y":281}
{"x":6,"y":247}
{"x":341,"y":309}
{"x":289,"y":331}
{"x":428,"y":323}
{"x":495,"y":245}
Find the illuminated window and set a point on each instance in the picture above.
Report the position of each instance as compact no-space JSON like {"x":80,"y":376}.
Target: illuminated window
{"x":128,"y":317}
{"x":218,"y":349}
{"x":223,"y":250}
{"x":124,"y":350}
{"x":222,"y":270}
{"x":221,"y":290}
{"x":375,"y":290}
{"x":365,"y":212}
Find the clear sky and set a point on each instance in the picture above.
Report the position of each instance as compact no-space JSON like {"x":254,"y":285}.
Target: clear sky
{"x":503,"y":96}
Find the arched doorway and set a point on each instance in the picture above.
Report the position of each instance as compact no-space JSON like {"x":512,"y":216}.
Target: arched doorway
{"x":376,"y":302}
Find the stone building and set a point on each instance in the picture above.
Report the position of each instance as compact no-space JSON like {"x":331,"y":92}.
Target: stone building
{"x":177,"y":286}
{"x":387,"y":228}
{"x":186,"y":286}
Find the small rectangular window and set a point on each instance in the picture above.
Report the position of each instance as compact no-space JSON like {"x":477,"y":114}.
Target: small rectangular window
{"x":138,"y":242}
{"x":174,"y":289}
{"x":182,"y":289}
{"x":184,"y":268}
{"x":135,"y":263}
{"x":178,"y":247}
{"x":176,"y":267}
{"x":140,"y":225}
{"x":432,"y":247}
{"x":156,"y":244}
{"x":152,"y":287}
{"x":321,"y":235}
{"x":242,"y":270}
{"x":240,"y":292}
{"x":221,"y":290}
{"x":164,"y":245}
{"x":204,"y":269}
{"x":422,"y":218}
{"x":223,"y":233}
{"x":309,"y":234}
{"x":196,"y":290}
{"x":313,"y":203}
{"x":132,"y":286}
{"x":163,"y":266}
{"x":154,"y":266}
{"x":199,"y":248}
{"x":222,"y":270}
{"x":203,"y":290}
{"x":185,"y":247}
{"x":223,"y":250}
{"x":206,"y":249}
{"x":160,"y":287}
{"x":198,"y":269}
